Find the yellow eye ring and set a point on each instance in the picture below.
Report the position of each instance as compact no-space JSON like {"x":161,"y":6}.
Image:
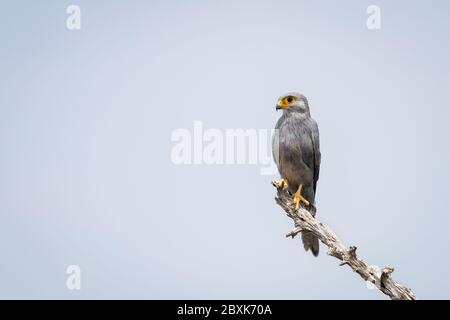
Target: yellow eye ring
{"x":286,"y":102}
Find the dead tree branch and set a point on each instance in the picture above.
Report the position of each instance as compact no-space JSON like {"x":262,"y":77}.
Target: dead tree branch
{"x":304,"y":221}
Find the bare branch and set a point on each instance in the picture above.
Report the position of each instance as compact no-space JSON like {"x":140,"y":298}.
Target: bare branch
{"x":304,"y":221}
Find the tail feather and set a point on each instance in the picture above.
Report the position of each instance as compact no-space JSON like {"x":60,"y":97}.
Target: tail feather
{"x":310,"y":242}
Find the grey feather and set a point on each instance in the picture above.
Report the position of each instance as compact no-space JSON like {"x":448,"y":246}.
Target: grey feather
{"x":296,"y":151}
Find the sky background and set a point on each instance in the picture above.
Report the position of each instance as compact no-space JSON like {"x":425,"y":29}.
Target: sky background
{"x":86,"y":118}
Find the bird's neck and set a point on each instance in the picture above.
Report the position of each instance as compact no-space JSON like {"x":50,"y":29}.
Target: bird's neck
{"x":296,"y":116}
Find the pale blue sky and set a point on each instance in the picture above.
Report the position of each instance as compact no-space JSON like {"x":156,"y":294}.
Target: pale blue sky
{"x":86,"y":119}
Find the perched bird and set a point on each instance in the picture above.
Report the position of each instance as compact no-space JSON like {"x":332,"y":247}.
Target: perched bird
{"x":296,"y":152}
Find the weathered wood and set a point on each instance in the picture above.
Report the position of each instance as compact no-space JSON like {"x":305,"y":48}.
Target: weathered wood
{"x":304,"y":221}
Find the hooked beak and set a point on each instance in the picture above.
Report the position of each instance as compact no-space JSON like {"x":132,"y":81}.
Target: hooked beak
{"x":278,"y":106}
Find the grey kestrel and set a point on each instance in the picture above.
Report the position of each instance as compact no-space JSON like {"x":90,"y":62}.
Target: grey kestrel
{"x":296,"y":152}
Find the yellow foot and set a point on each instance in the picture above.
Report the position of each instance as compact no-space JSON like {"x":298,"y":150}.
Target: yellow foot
{"x":298,"y":198}
{"x":281,"y":183}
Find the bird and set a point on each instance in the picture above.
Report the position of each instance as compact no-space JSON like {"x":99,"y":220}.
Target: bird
{"x":296,"y":152}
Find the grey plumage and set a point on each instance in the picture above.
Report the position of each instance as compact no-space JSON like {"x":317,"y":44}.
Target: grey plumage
{"x":296,"y":152}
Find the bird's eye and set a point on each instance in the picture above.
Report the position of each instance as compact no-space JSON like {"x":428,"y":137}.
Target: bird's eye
{"x":290,"y":99}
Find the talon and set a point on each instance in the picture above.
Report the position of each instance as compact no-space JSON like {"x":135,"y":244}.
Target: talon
{"x":298,"y":198}
{"x":282,"y":183}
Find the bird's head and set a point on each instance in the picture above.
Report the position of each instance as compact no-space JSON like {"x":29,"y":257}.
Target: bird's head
{"x":293,"y":102}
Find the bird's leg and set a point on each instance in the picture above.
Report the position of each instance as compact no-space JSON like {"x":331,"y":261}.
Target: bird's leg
{"x":282,"y":183}
{"x":299,"y":198}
